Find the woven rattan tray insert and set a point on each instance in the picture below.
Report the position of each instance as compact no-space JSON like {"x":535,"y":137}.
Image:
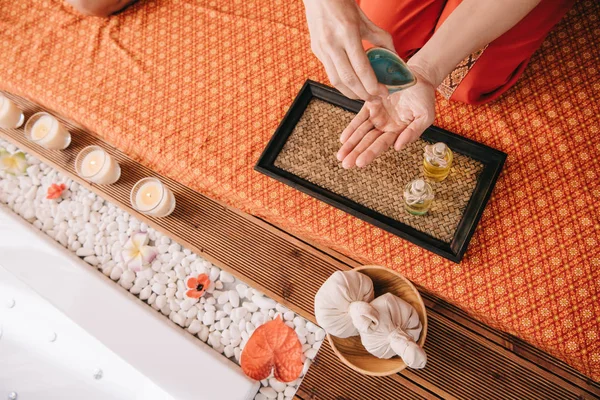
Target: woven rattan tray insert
{"x":310,"y":154}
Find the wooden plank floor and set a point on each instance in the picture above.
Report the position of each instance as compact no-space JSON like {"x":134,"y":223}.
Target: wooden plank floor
{"x":466,"y":359}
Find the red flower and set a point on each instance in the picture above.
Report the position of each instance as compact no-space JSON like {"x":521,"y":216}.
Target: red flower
{"x":55,"y":191}
{"x":197,"y":286}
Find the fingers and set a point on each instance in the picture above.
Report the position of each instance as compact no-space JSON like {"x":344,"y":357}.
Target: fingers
{"x":367,"y":140}
{"x":362,"y":66}
{"x":356,"y":137}
{"x":412,"y":132}
{"x":334,"y":77}
{"x":346,"y":73}
{"x":357,"y":121}
{"x":378,"y":147}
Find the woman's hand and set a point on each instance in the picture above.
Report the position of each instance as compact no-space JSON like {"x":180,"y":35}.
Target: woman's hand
{"x":395,"y":120}
{"x":337,"y":28}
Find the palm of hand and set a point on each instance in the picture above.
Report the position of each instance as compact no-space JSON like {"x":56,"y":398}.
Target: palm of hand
{"x":394,"y":120}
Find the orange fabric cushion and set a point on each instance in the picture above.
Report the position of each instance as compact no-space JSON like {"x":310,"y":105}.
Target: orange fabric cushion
{"x":195,"y":89}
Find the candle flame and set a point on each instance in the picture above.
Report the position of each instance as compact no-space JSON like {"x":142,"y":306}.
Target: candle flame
{"x":149,"y":194}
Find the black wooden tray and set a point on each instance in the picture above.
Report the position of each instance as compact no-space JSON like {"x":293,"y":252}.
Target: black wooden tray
{"x":491,"y":159}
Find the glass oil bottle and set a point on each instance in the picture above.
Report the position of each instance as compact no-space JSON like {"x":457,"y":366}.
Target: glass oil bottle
{"x":437,"y":161}
{"x":418,"y":196}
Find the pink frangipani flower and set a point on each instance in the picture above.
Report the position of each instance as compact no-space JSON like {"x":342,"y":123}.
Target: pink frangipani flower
{"x":136,"y":253}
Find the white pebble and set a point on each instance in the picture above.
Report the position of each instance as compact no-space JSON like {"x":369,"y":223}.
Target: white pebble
{"x":209,"y":318}
{"x":250,"y":306}
{"x":229,"y":351}
{"x":83,"y":252}
{"x":203,"y":334}
{"x":299,"y":321}
{"x":214,"y":273}
{"x":269,"y":392}
{"x":288,"y":316}
{"x":146,"y":292}
{"x":238,"y":313}
{"x":159,"y":288}
{"x":319,"y":335}
{"x":115,"y":274}
{"x":161,"y":301}
{"x":277,"y":385}
{"x":92,"y":260}
{"x":226,"y":277}
{"x":241,"y":289}
{"x":234,"y":298}
{"x":223,"y":299}
{"x":263,"y":302}
{"x":289,"y":391}
{"x":128,"y":276}
{"x":310,"y":354}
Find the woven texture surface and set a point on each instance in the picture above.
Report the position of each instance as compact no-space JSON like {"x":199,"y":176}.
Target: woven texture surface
{"x":310,"y":154}
{"x":195,"y":90}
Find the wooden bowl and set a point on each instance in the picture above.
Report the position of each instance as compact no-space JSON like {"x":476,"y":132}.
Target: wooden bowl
{"x":352,"y":352}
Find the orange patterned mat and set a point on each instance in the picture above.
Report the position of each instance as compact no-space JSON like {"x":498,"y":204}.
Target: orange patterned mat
{"x":195,"y":89}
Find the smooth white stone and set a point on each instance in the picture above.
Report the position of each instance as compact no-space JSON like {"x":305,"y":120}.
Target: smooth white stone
{"x":278,"y":386}
{"x":228,"y":351}
{"x":228,"y":308}
{"x":310,"y":354}
{"x":192,"y":312}
{"x":224,"y":323}
{"x":92,"y":260}
{"x":126,"y":285}
{"x":219,"y":285}
{"x":203,"y":334}
{"x":311,"y":327}
{"x":250,"y":306}
{"x":288,"y":316}
{"x":237,"y":352}
{"x":260,"y":396}
{"x":301,"y":331}
{"x":195,"y":327}
{"x":302,"y":339}
{"x":209,"y":318}
{"x":241,"y":289}
{"x":214,"y":273}
{"x":128,"y":276}
{"x":159,"y":288}
{"x":299,"y":321}
{"x":269,"y":392}
{"x":220,"y":314}
{"x":289,"y":391}
{"x":263,"y":302}
{"x":186,"y":304}
{"x":319,"y":335}
{"x":161,"y":278}
{"x":170,"y":292}
{"x":238,"y":313}
{"x":234,"y":298}
{"x":161,"y":301}
{"x":141,"y":281}
{"x":223,"y":299}
{"x":310,"y":338}
{"x":250,"y":328}
{"x":116,"y":273}
{"x":226,"y":277}
{"x":83,"y":252}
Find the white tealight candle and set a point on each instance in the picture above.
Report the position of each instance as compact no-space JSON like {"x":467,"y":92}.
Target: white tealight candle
{"x":47,"y":131}
{"x":10,"y":115}
{"x":96,"y":165}
{"x":153,"y":198}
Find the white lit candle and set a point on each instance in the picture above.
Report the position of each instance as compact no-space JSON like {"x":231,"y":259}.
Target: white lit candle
{"x":10,"y":115}
{"x":96,"y":165}
{"x":150,"y":196}
{"x":47,"y":131}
